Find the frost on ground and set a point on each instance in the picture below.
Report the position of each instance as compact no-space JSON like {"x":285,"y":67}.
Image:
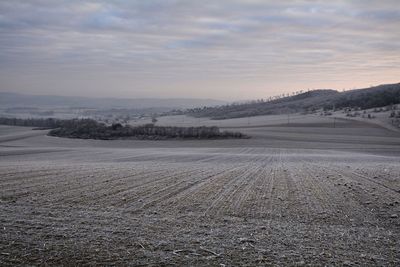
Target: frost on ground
{"x":288,"y":196}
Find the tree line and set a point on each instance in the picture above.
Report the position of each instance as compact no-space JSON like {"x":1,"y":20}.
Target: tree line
{"x":90,"y":129}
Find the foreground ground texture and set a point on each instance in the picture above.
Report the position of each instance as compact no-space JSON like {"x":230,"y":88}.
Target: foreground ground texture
{"x":300,"y":194}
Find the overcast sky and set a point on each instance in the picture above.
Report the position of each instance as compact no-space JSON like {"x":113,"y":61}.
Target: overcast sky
{"x":228,"y":49}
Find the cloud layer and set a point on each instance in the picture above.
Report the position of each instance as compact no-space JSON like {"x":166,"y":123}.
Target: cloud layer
{"x":223,"y":49}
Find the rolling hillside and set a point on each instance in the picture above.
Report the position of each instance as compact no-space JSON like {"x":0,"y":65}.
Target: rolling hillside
{"x":378,"y":96}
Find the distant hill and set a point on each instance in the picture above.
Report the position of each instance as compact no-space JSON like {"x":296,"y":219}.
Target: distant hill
{"x":378,"y":96}
{"x":8,"y":99}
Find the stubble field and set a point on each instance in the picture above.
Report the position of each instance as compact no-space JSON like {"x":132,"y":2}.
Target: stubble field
{"x":300,"y":194}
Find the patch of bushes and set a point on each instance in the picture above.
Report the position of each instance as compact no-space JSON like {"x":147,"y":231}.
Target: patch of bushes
{"x":91,"y":129}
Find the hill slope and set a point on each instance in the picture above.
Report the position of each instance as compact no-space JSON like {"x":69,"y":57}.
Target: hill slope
{"x":378,"y":96}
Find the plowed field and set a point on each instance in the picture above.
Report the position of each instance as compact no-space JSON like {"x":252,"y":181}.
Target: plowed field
{"x":327,"y":201}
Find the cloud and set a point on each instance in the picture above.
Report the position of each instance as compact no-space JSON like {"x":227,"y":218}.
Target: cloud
{"x":173,"y":47}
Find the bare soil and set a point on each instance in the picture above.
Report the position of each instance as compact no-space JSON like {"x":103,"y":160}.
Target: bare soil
{"x":298,"y":195}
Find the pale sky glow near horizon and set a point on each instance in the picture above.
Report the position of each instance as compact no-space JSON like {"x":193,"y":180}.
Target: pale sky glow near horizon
{"x":221,"y":49}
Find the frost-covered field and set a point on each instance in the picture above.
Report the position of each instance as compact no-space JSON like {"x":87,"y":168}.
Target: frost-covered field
{"x":295,"y":195}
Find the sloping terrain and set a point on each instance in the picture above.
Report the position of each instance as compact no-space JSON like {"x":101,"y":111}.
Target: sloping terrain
{"x":378,"y":96}
{"x":280,"y":106}
{"x":268,"y":200}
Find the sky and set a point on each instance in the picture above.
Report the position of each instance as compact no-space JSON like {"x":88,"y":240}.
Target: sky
{"x":221,"y":49}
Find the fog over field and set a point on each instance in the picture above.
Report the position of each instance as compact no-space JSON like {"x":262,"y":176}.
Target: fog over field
{"x":199,"y":133}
